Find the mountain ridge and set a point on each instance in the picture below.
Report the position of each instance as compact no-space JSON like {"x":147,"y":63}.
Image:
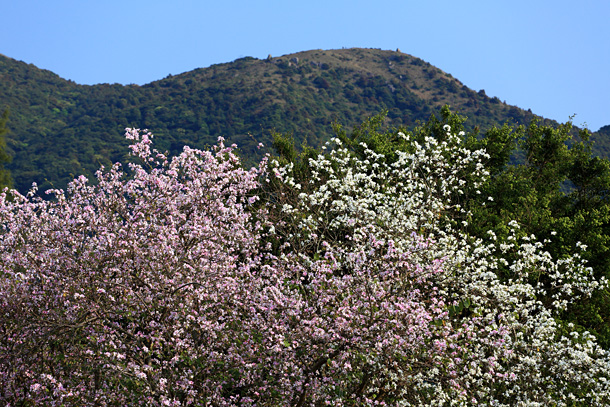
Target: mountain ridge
{"x":59,"y":129}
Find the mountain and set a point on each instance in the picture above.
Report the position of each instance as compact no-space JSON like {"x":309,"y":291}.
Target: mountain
{"x":59,"y":129}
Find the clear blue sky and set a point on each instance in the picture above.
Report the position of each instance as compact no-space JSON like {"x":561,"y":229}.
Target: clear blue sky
{"x":552,"y":56}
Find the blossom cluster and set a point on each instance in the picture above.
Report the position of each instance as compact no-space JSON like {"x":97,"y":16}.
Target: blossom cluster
{"x":502,"y":343}
{"x":192,"y":281}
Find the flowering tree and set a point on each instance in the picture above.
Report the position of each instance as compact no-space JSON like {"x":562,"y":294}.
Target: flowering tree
{"x":505,"y":344}
{"x":134,"y":290}
{"x":337,"y":280}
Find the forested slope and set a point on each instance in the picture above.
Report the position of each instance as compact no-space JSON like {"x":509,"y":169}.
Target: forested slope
{"x":59,"y":129}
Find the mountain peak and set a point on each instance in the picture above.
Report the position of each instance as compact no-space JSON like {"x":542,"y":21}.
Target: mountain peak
{"x":58,"y":129}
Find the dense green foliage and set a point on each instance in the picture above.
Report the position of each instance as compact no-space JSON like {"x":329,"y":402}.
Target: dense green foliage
{"x":540,"y":176}
{"x":243,"y":101}
{"x":5,"y":174}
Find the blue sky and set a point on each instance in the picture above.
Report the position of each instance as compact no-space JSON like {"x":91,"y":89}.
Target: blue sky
{"x":549,"y":56}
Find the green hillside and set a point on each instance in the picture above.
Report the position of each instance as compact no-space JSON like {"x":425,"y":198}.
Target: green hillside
{"x":59,"y":129}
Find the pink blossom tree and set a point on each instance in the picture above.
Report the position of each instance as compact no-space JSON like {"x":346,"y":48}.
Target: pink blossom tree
{"x":137,"y":290}
{"x":159,"y":288}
